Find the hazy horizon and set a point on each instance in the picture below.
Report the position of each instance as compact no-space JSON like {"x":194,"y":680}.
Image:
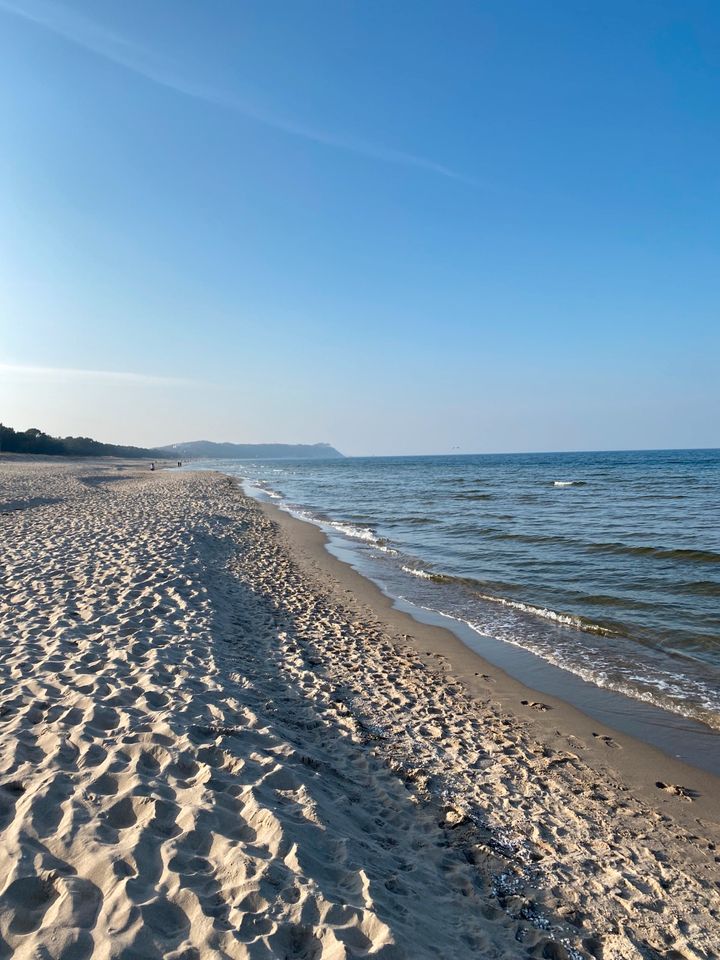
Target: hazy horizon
{"x":476,"y":228}
{"x":413,"y":454}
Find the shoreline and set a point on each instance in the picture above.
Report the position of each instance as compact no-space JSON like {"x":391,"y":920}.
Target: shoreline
{"x":676,"y":734}
{"x":641,"y":763}
{"x":217,"y":740}
{"x":598,"y":580}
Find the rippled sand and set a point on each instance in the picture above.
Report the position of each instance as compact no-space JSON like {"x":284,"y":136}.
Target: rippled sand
{"x":210,"y":750}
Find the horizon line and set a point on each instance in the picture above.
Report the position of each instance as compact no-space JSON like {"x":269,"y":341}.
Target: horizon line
{"x":399,"y":456}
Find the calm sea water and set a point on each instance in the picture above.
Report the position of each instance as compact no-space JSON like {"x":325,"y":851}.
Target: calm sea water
{"x":605,"y":564}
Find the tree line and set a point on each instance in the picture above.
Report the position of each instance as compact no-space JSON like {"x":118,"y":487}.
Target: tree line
{"x":35,"y":441}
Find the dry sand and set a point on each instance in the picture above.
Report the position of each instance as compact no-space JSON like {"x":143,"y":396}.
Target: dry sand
{"x":213,"y":745}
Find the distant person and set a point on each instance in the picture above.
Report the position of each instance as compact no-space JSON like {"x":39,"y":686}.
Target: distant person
{"x":152,"y":465}
{"x":179,"y":463}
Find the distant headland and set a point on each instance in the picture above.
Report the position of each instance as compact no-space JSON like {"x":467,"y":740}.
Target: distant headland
{"x":34,"y":441}
{"x":252,"y":451}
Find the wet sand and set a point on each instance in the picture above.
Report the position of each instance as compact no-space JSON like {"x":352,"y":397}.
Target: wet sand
{"x":218,"y":740}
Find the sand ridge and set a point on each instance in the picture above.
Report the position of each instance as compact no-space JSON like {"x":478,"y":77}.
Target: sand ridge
{"x":205,"y":753}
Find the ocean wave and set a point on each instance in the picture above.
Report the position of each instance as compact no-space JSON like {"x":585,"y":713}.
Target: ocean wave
{"x":346,"y":529}
{"x":569,"y":483}
{"x":430,"y":575}
{"x":264,"y":487}
{"x":497,"y":533}
{"x":701,"y":588}
{"x":355,"y":533}
{"x":423,"y":574}
{"x":607,"y":600}
{"x":667,"y":693}
{"x":619,"y":548}
{"x":566,"y":619}
{"x":383,"y":547}
{"x":420,"y":521}
{"x":660,"y":553}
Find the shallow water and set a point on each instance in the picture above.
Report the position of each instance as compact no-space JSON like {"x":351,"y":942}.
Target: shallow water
{"x":604,"y":564}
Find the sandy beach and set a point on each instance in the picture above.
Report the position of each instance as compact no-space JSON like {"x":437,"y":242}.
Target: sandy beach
{"x":216,"y":740}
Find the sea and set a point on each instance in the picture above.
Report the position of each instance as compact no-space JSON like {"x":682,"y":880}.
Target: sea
{"x":603,"y":565}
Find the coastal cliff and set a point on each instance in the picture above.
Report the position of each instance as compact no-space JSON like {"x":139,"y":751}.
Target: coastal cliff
{"x":253,"y":451}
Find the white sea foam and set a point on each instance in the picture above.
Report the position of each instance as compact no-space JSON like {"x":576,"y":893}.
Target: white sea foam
{"x":665,"y":694}
{"x":566,"y":619}
{"x":563,"y":483}
{"x":423,"y":574}
{"x":546,"y":613}
{"x":356,"y":533}
{"x":347,"y":529}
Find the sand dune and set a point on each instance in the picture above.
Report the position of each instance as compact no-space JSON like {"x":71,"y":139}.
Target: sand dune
{"x":207,"y":750}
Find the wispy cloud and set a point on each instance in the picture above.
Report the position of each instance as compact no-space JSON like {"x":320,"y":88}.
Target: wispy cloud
{"x":64,"y":374}
{"x":91,"y":36}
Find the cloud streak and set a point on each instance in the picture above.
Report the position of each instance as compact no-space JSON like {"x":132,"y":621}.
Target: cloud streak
{"x":64,"y":374}
{"x":90,"y":36}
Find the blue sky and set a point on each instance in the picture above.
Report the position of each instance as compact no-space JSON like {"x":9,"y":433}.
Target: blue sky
{"x":395,"y":226}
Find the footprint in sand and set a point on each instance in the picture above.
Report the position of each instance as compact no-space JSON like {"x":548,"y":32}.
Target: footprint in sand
{"x":126,"y":812}
{"x":9,"y":794}
{"x":573,"y":742}
{"x":105,"y":785}
{"x":26,"y":900}
{"x":295,"y":940}
{"x":608,"y":741}
{"x":685,"y":793}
